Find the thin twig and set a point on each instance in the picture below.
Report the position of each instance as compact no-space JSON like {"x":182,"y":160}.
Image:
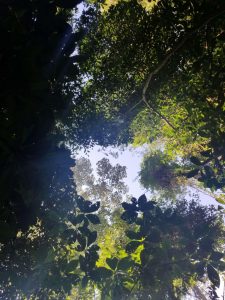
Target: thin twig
{"x":159,"y":114}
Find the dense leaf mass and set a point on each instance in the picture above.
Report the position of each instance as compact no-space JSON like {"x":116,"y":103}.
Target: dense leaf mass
{"x":123,"y":72}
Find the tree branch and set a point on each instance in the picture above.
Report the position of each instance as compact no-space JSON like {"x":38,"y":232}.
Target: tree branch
{"x":198,"y":293}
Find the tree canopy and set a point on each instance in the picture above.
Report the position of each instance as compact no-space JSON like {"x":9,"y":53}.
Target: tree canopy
{"x":124,"y":72}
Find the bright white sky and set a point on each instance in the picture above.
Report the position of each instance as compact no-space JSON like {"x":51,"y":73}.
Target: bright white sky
{"x":131,"y":158}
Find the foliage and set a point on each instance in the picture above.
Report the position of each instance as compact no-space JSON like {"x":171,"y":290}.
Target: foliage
{"x":163,"y":68}
{"x":154,"y":73}
{"x":39,"y":74}
{"x":107,"y":185}
{"x":160,"y":173}
{"x":178,"y":246}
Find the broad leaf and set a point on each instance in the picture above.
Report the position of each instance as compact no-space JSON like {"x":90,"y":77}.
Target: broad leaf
{"x":132,"y":246}
{"x":112,"y":262}
{"x":94,"y":219}
{"x":129,"y":216}
{"x":91,"y":238}
{"x":195,"y":160}
{"x":125,"y":263}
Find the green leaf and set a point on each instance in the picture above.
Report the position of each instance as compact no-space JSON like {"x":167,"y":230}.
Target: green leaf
{"x":132,"y":246}
{"x":220,"y":199}
{"x":125,"y":263}
{"x":112,"y":262}
{"x":213,"y":275}
{"x":94,"y":219}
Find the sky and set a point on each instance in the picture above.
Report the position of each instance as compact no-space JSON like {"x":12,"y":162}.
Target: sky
{"x":131,"y":158}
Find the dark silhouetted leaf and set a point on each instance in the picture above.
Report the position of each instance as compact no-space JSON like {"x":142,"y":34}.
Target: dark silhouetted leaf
{"x":129,"y":216}
{"x":84,"y":282}
{"x":133,"y":235}
{"x":216,"y":255}
{"x":72,"y":265}
{"x":195,"y":160}
{"x":132,"y":246}
{"x":134,"y":200}
{"x":129,"y":206}
{"x":94,"y":219}
{"x":142,"y":200}
{"x":79,"y":218}
{"x":200,"y":268}
{"x":208,"y":171}
{"x":192,"y":173}
{"x":82,"y":241}
{"x":91,"y":238}
{"x":206,"y":153}
{"x":112,"y":262}
{"x":94,"y":207}
{"x":125,"y":263}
